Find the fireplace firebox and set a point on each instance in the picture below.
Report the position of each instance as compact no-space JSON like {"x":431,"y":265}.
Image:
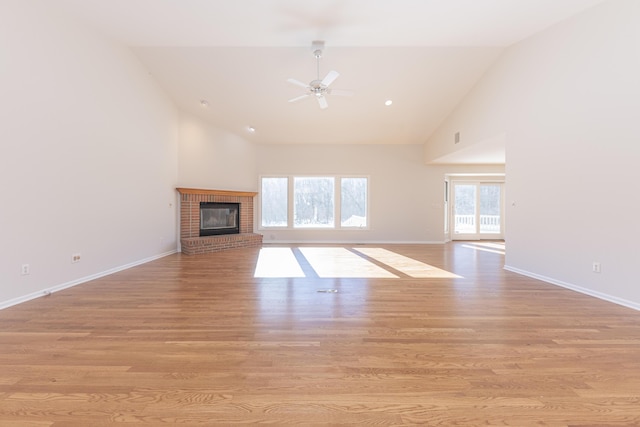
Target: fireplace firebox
{"x":219,"y":218}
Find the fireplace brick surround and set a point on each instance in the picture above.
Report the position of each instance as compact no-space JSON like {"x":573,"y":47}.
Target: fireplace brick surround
{"x":190,"y":239}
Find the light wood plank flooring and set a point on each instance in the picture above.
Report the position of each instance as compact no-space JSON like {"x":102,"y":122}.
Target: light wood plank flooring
{"x":199,"y":340}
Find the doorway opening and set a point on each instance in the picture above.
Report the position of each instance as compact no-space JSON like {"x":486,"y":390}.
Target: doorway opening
{"x":474,"y":208}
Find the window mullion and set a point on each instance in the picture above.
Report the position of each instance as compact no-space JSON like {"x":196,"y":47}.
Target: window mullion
{"x":337,"y":204}
{"x":290,"y":202}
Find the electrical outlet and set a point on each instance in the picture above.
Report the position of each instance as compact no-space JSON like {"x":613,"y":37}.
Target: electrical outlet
{"x":25,"y":269}
{"x":596,"y":267}
{"x":75,"y":258}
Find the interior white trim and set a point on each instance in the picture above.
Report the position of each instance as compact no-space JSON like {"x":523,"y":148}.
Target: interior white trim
{"x":49,"y":291}
{"x":596,"y":294}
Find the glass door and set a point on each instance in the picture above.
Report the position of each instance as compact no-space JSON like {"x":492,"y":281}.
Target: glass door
{"x":464,"y":211}
{"x":490,"y":211}
{"x":477,"y":211}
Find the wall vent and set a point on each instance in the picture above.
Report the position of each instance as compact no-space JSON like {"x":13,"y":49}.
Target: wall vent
{"x":456,"y":138}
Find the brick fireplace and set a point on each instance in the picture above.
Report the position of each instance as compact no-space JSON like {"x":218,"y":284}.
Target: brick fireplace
{"x":191,"y":241}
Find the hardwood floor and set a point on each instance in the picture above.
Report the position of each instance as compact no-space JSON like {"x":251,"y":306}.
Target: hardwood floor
{"x":199,"y":341}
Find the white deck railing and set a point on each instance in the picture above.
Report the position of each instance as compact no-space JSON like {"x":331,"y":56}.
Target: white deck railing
{"x":467,"y":223}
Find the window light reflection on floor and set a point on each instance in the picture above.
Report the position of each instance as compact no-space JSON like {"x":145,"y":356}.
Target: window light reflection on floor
{"x":338,"y":262}
{"x":406,"y":265}
{"x":277,"y":262}
{"x":341,"y":262}
{"x":497,"y":248}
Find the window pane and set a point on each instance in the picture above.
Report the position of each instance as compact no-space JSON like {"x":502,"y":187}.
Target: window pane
{"x":353,"y":203}
{"x":490,"y":208}
{"x":313,"y":204}
{"x":274,"y":202}
{"x":465,"y":208}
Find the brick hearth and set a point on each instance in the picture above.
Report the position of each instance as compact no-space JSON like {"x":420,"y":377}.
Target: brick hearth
{"x":190,"y":239}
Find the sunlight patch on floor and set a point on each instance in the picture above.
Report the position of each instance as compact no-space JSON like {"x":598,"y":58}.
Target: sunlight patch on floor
{"x":340,"y":262}
{"x":494,"y":247}
{"x":277,"y":262}
{"x":408,"y":266}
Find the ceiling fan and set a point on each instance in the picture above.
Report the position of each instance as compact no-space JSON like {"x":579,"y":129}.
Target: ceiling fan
{"x":319,"y":88}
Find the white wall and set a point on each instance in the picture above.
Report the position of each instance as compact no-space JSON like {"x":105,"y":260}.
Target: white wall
{"x":211,"y":158}
{"x":568,"y":100}
{"x":88,"y":159}
{"x":406,"y":197}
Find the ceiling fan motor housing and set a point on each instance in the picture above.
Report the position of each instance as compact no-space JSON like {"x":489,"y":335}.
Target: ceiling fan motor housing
{"x":317,"y":46}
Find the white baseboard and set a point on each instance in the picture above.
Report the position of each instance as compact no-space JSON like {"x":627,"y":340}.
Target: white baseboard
{"x":571,"y":286}
{"x":49,"y":291}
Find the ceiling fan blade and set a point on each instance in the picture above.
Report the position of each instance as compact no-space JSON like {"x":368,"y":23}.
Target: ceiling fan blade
{"x":299,"y":98}
{"x":329,"y":78}
{"x":323,"y":102}
{"x":339,"y":92}
{"x":298,"y":83}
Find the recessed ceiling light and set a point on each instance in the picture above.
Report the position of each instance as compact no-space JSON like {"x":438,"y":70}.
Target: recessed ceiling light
{"x":388,"y":102}
{"x":251,"y":129}
{"x":204,"y":103}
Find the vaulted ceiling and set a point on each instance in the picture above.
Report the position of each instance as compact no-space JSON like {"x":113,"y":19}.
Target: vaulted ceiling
{"x":237,"y":55}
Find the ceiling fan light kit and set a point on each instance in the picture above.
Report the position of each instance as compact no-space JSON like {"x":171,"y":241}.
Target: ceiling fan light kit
{"x":319,"y":88}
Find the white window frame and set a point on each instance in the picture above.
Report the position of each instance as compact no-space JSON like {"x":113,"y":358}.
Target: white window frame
{"x":337,"y":206}
{"x":476,"y":181}
{"x":289,"y":208}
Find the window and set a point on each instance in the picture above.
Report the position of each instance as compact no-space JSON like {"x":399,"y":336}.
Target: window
{"x":274,"y":202}
{"x":353,"y":202}
{"x":477,"y":210}
{"x":314,"y":202}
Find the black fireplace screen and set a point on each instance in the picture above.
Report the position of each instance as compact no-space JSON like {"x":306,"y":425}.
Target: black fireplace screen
{"x":219,"y":218}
